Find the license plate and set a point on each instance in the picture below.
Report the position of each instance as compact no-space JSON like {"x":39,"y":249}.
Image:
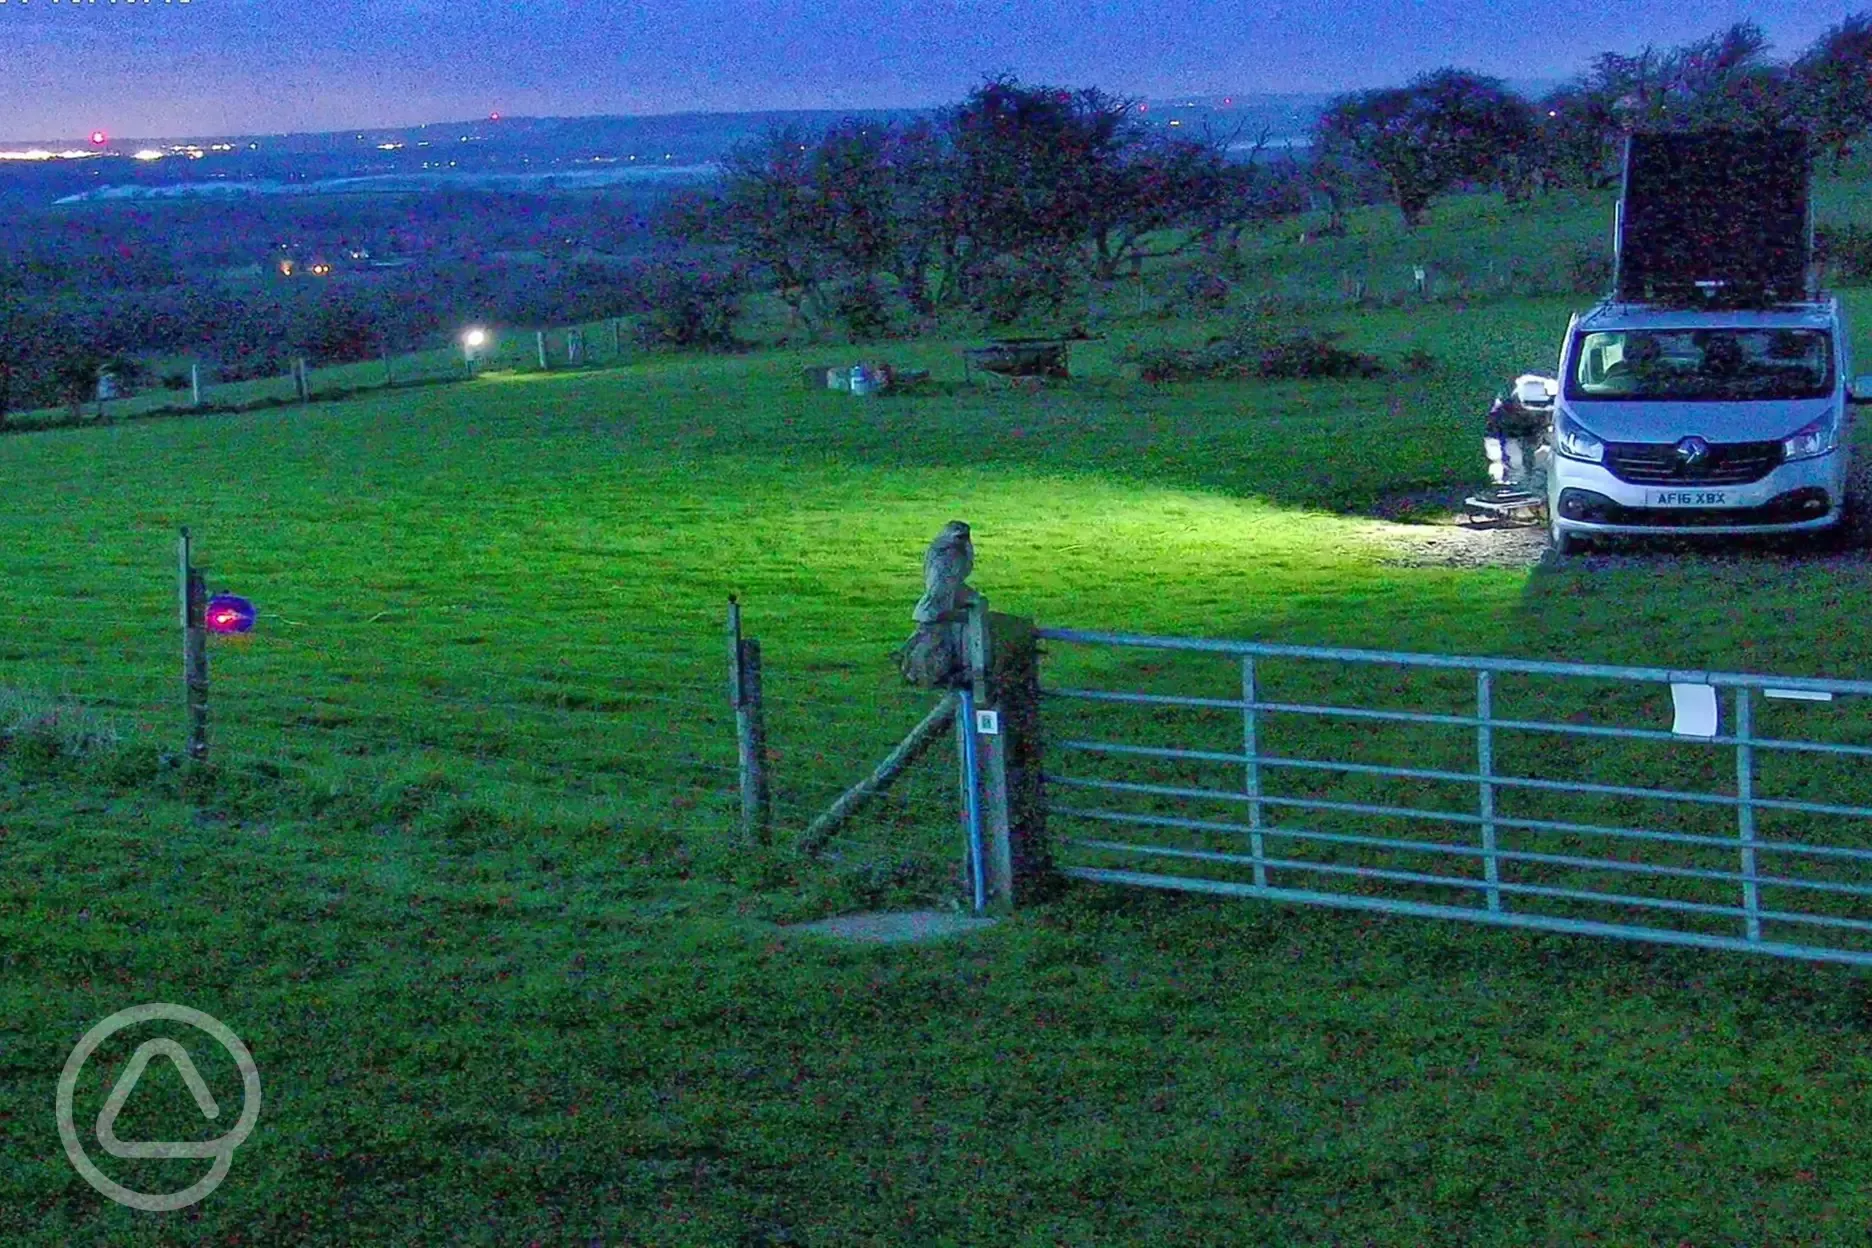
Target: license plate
{"x":1692,"y":498}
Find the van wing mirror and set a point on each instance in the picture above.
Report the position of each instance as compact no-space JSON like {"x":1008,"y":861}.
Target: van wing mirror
{"x":1859,"y":389}
{"x":1534,"y":390}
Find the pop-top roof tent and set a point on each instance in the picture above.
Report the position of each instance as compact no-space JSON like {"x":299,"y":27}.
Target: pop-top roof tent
{"x":1715,"y":216}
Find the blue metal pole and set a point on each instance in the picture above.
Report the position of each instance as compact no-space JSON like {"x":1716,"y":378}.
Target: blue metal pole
{"x":971,"y":787}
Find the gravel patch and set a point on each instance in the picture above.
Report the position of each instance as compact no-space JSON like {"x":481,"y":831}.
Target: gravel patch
{"x":906,"y":928}
{"x":1442,"y":536}
{"x":1453,"y":542}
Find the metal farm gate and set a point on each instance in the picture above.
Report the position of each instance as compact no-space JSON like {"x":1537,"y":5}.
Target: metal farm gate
{"x":1710,"y":809}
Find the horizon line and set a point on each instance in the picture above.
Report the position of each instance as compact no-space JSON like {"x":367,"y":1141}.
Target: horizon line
{"x":500,"y":118}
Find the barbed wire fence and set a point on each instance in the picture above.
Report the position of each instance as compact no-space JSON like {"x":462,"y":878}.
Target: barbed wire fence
{"x":339,"y":706}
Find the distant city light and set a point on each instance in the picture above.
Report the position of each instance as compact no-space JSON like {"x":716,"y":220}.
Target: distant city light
{"x":99,"y":137}
{"x":40,"y":153}
{"x":493,"y":116}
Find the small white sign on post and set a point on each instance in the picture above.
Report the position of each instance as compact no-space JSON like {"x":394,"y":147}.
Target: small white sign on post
{"x":1695,"y":706}
{"x":988,"y":723}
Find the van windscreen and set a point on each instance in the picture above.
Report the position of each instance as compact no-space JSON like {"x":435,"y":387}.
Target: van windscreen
{"x":1732,"y":364}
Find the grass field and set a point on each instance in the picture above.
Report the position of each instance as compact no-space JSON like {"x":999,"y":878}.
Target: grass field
{"x":462,"y":878}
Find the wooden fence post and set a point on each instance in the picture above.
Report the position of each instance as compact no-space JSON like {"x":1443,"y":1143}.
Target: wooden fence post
{"x":744,"y":688}
{"x":617,"y":338}
{"x":1003,"y":665}
{"x":195,"y":385}
{"x":194,"y":652}
{"x":539,"y":340}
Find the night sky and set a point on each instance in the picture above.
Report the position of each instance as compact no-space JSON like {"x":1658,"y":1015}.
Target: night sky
{"x":260,"y":66}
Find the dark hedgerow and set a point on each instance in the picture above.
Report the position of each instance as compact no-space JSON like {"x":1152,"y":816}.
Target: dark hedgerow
{"x":1315,"y":353}
{"x":688,"y":307}
{"x":867,"y":309}
{"x":1010,"y":288}
{"x":1297,"y":353}
{"x":1846,"y":250}
{"x":1588,"y":271}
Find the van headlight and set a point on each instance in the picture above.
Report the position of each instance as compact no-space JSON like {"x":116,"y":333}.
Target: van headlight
{"x":1574,"y":442}
{"x":1810,"y":441}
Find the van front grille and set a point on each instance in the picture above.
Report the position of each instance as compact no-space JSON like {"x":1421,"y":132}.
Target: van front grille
{"x":1660,"y":463}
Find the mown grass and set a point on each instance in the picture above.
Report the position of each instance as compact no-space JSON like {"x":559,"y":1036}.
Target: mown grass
{"x":461,"y":875}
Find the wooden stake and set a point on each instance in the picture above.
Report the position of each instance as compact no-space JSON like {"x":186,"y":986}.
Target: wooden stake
{"x":195,"y":385}
{"x":539,"y":340}
{"x":194,"y":651}
{"x":751,"y":724}
{"x":744,"y":690}
{"x":908,"y":751}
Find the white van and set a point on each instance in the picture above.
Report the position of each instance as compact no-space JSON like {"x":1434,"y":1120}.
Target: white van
{"x":1677,"y":420}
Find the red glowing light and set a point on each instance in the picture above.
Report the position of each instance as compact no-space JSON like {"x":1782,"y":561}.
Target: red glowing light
{"x":227,"y":613}
{"x":493,"y":116}
{"x":98,"y":137}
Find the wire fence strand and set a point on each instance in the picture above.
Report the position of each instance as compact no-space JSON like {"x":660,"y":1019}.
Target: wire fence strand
{"x":583,"y":746}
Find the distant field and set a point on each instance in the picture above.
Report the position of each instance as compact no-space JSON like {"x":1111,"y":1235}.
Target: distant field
{"x":463,"y":881}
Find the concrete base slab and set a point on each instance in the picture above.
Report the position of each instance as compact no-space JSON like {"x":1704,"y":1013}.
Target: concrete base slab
{"x":916,"y":926}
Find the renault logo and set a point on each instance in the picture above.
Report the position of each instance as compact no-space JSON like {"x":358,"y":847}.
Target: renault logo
{"x":1692,"y":452}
